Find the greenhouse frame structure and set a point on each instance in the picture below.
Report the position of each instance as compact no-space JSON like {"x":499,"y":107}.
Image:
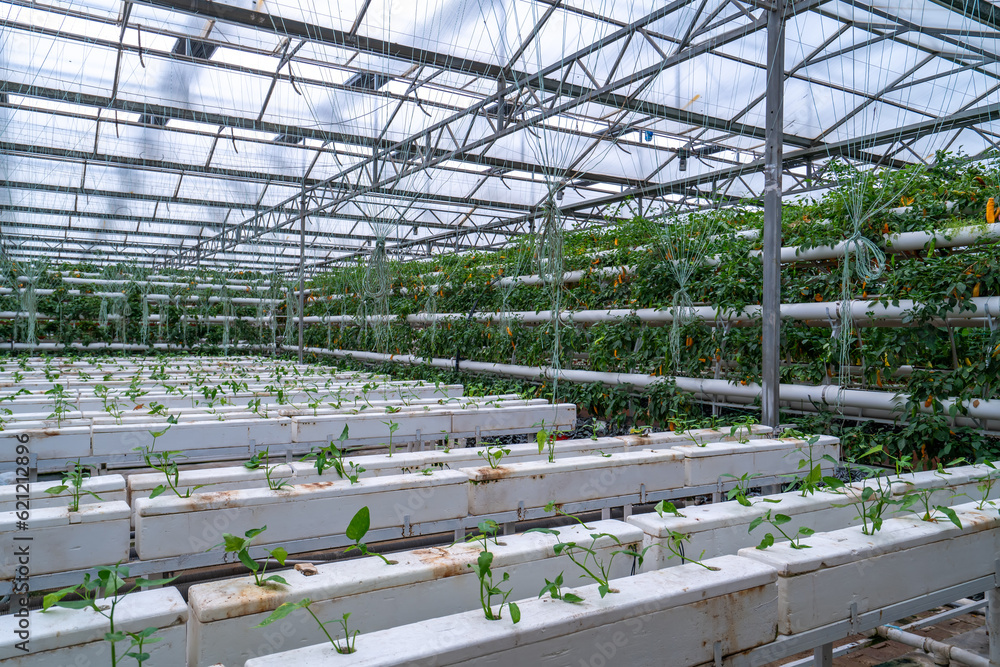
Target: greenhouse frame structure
{"x":212,"y":134}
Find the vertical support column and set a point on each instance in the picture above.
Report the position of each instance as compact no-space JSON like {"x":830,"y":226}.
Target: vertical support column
{"x":302,"y":267}
{"x":772,"y":213}
{"x":993,"y":616}
{"x":823,"y":656}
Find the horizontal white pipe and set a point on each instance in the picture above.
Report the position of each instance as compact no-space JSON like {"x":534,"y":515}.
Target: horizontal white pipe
{"x":822,"y":312}
{"x":893,"y":243}
{"x":152,"y":283}
{"x":939,"y":649}
{"x":824,"y":395}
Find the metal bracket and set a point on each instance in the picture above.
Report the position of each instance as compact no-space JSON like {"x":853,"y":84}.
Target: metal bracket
{"x":407,"y":530}
{"x":717,"y":650}
{"x":642,"y":494}
{"x":520,"y":510}
{"x":855,"y":619}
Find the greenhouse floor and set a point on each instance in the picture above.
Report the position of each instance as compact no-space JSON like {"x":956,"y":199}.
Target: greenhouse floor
{"x":967,"y":631}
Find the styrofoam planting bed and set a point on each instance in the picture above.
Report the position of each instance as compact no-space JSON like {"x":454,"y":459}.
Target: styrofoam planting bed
{"x":723,"y":528}
{"x":410,"y":504}
{"x":671,"y":614}
{"x":378,"y":465}
{"x":107,"y":487}
{"x":61,"y":540}
{"x":308,"y":512}
{"x":846,"y":573}
{"x":207,"y":440}
{"x":755,"y":606}
{"x":61,"y":637}
{"x":422,"y":584}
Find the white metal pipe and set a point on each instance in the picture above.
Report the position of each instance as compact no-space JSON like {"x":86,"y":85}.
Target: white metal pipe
{"x":816,"y":313}
{"x":934,"y":647}
{"x":795,"y":395}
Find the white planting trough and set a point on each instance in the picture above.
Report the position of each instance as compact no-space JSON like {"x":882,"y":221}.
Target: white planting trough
{"x":423,"y":584}
{"x":168,"y":526}
{"x":573,"y":480}
{"x":62,"y":540}
{"x":108,"y":487}
{"x":46,"y":443}
{"x":705,"y":464}
{"x":846,"y":573}
{"x":723,"y":528}
{"x":230,"y":478}
{"x":61,"y":637}
{"x":667,"y":614}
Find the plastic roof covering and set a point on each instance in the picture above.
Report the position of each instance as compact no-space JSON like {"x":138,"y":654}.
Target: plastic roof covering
{"x":148,"y":130}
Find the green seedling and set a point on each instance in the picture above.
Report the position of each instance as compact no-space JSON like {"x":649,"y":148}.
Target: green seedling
{"x":110,"y":583}
{"x":60,"y":403}
{"x":262,"y":460}
{"x":675,"y":545}
{"x":165,"y":463}
{"x":288,"y":607}
{"x":922,"y":498}
{"x":356,"y":531}
{"x":493,"y":454}
{"x":554,"y":589}
{"x":777,"y":521}
{"x":740,"y":492}
{"x":489,"y":588}
{"x":73,"y":479}
{"x":985,"y":486}
{"x":874,"y":503}
{"x":742,"y":428}
{"x":241,"y":547}
{"x":667,"y":507}
{"x":814,"y":479}
{"x":589,"y":561}
{"x":393,"y":427}
{"x":547,"y":440}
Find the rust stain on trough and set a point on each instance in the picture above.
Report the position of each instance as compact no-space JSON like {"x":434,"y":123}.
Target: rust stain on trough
{"x":442,"y":562}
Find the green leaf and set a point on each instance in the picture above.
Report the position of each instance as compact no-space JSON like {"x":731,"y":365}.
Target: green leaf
{"x":254,"y":532}
{"x":75,"y":604}
{"x":54,"y":598}
{"x":157,"y":491}
{"x":277,"y":579}
{"x":756,"y":522}
{"x":246,"y":560}
{"x":781,"y":519}
{"x":547,"y":531}
{"x":56,"y":489}
{"x":153,"y":582}
{"x":572,"y":598}
{"x":359,"y":525}
{"x":541,"y":437}
{"x":766,"y":542}
{"x":667,"y":507}
{"x":232,"y":542}
{"x":806,"y":532}
{"x":114,"y":637}
{"x":488,"y":527}
{"x":603,"y":589}
{"x":950,"y":513}
{"x":279,"y":554}
{"x":283,"y":611}
{"x":515,"y":612}
{"x":484,"y":562}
